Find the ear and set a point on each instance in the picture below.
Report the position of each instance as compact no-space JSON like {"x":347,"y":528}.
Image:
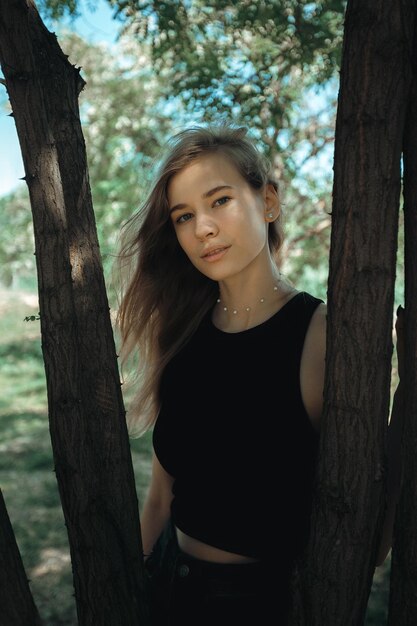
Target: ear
{"x":271,"y":203}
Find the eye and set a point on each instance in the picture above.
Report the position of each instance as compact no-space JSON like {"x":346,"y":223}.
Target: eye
{"x":221,"y":201}
{"x":183,"y":218}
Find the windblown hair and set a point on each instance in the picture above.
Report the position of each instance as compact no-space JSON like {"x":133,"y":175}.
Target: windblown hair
{"x":165,"y":297}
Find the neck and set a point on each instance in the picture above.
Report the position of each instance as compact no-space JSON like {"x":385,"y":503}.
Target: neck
{"x":251,"y":308}
{"x":248,"y":305}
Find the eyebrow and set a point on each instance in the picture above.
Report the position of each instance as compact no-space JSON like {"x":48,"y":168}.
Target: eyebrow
{"x":207,"y":194}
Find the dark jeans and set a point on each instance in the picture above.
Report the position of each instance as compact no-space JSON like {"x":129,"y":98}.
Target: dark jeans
{"x":185,"y":591}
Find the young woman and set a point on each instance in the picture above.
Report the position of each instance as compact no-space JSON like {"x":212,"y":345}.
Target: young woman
{"x":232,"y":363}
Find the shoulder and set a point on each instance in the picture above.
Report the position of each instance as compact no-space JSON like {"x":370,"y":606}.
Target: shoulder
{"x":318,"y":321}
{"x":315,"y":341}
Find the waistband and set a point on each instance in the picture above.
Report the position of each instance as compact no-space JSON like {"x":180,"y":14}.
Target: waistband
{"x":225,"y":579}
{"x":187,"y":565}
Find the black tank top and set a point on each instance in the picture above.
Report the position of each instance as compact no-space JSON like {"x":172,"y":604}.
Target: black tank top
{"x":234,"y":434}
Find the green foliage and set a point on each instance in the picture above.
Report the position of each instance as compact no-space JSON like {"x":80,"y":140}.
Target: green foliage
{"x":242,"y":58}
{"x":17,"y":261}
{"x":57,"y":9}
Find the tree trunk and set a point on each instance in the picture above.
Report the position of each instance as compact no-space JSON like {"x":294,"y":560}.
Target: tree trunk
{"x":403,"y":593}
{"x":87,"y":419}
{"x":333,"y":584}
{"x":16,"y":603}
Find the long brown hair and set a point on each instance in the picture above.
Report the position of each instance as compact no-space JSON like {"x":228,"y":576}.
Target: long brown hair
{"x":163,"y":296}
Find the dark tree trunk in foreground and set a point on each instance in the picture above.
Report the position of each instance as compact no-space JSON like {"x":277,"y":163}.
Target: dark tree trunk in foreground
{"x":16,"y":603}
{"x":87,"y":418}
{"x":403,"y":594}
{"x":333,"y":588}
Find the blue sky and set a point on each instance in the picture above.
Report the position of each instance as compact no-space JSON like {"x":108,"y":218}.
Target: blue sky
{"x":96,"y":25}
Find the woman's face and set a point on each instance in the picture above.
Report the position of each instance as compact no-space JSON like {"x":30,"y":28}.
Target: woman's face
{"x":219,"y":219}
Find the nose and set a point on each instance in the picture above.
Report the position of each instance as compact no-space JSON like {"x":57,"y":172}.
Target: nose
{"x":205,"y":227}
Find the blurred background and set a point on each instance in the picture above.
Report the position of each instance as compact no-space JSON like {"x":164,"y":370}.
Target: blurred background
{"x":271,"y":66}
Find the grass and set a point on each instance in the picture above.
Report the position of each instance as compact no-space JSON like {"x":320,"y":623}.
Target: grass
{"x":28,"y":481}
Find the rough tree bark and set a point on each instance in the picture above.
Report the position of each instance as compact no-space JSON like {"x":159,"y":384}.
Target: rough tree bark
{"x":333,"y":584}
{"x":87,"y":419}
{"x":16,"y":602}
{"x":403,"y":592}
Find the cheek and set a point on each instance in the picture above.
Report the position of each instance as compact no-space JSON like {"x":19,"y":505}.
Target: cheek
{"x":256,"y":227}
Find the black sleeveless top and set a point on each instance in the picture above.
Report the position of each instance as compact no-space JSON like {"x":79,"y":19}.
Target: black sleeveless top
{"x":234,"y":434}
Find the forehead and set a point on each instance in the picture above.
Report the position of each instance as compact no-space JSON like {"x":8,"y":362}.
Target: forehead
{"x":204,"y":173}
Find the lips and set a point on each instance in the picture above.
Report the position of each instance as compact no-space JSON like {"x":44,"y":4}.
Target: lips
{"x":214,"y":252}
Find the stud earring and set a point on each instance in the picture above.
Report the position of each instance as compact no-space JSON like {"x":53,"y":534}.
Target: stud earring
{"x":270,"y":216}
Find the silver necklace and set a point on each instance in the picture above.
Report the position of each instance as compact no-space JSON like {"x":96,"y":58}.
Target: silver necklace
{"x":235,"y":311}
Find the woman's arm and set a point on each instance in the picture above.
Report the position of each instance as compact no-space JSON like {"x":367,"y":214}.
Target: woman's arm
{"x":312,"y":367}
{"x":156,"y":508}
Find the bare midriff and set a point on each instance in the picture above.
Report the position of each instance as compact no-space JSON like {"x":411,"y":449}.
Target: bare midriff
{"x":205,"y":552}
